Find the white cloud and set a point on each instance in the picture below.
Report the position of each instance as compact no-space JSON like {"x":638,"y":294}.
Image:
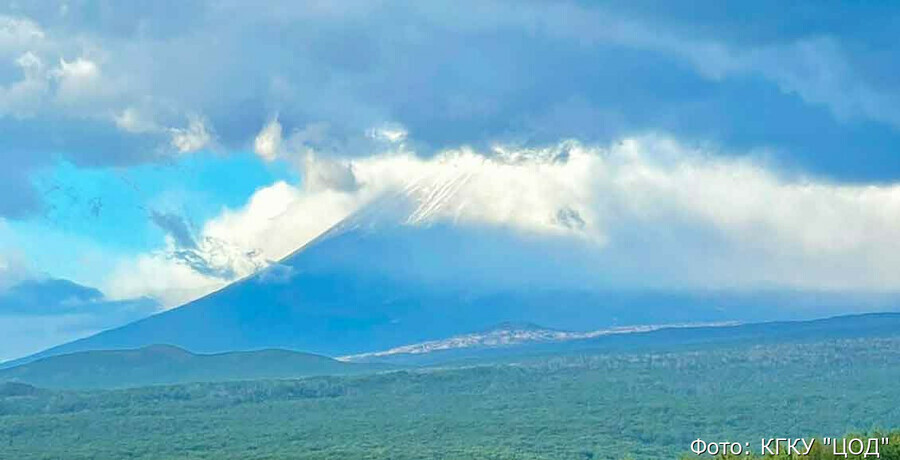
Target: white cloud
{"x":76,"y":79}
{"x":328,"y":174}
{"x":275,"y":221}
{"x":74,"y":86}
{"x":195,"y":137}
{"x":71,"y":86}
{"x":133,"y":120}
{"x":268,"y":142}
{"x":23,"y":97}
{"x":282,"y":209}
{"x":702,"y":220}
{"x":155,"y":275}
{"x":17,"y":33}
{"x":392,"y":133}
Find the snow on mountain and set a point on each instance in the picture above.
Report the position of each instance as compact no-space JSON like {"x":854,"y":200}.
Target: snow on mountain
{"x":511,"y":334}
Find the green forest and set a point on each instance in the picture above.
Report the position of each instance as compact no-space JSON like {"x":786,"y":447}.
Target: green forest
{"x":609,"y":405}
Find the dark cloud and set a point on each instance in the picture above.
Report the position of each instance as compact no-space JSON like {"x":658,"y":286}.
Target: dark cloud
{"x":208,"y":256}
{"x":39,"y":313}
{"x":200,"y":262}
{"x":744,"y":76}
{"x":33,"y":296}
{"x":176,"y":226}
{"x":52,"y":297}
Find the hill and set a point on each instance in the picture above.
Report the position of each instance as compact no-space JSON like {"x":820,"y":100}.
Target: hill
{"x":163,"y":364}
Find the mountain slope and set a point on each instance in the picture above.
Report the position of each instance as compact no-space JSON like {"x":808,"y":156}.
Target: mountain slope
{"x":511,"y":334}
{"x":163,"y":364}
{"x":507,"y":341}
{"x":389,"y":276}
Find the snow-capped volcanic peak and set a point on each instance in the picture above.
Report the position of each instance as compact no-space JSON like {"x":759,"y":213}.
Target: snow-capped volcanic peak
{"x":532,"y":190}
{"x":437,"y":196}
{"x":427,"y":195}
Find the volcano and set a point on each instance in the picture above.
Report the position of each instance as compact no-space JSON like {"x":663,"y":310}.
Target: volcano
{"x":392,"y":274}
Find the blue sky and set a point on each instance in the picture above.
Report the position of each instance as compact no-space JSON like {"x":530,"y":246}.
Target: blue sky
{"x":157,"y":150}
{"x":108,"y":208}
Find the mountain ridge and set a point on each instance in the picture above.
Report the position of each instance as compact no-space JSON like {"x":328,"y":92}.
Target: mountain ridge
{"x":162,"y":364}
{"x":510,"y":334}
{"x":657,"y":338}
